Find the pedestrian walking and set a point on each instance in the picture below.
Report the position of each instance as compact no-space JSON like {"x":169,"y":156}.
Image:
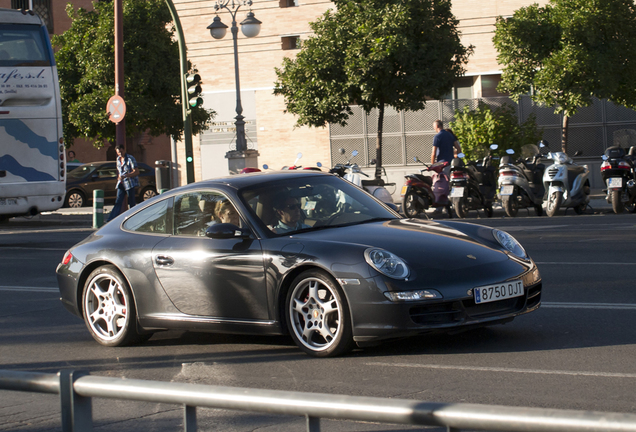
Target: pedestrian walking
{"x":127,"y":181}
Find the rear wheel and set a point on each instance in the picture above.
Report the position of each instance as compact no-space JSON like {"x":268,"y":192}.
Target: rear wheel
{"x":412,"y":205}
{"x":318,"y":316}
{"x":509,"y":203}
{"x":108,"y":308}
{"x":617,"y":201}
{"x":554,"y":203}
{"x":75,"y":199}
{"x":459,"y":204}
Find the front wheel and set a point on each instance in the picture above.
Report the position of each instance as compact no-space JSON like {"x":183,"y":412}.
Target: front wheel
{"x":554,"y":203}
{"x":108,"y":309}
{"x":459,"y":204}
{"x":509,"y":203}
{"x":318,"y":316}
{"x":617,"y":201}
{"x":412,"y":205}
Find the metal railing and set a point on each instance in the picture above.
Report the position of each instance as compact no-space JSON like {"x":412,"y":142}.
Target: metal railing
{"x":77,"y":388}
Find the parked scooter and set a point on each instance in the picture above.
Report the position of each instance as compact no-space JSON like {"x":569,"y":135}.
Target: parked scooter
{"x":618,"y":174}
{"x":566,"y":183}
{"x":351,"y":172}
{"x":521,"y":181}
{"x":473,"y":184}
{"x":296,"y":167}
{"x":421,"y":192}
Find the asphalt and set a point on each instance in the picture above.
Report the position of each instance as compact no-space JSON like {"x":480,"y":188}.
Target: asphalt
{"x":83,"y":217}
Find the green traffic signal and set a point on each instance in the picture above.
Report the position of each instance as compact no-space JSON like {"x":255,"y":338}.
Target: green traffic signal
{"x":194,"y":90}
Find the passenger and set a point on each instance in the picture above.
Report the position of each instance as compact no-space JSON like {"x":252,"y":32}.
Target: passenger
{"x":224,"y":212}
{"x":288,"y":211}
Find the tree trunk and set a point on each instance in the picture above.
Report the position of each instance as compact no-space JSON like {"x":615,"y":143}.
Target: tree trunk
{"x":564,"y":134}
{"x":378,"y":143}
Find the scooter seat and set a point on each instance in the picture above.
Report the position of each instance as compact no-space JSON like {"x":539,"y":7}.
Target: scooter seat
{"x":374,"y":182}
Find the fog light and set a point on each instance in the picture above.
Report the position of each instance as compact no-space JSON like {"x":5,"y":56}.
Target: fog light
{"x":428,"y":294}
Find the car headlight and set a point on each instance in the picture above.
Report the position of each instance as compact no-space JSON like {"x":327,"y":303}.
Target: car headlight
{"x":386,"y":263}
{"x":510,"y":243}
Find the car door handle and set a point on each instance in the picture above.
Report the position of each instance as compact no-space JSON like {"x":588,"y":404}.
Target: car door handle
{"x":164,"y":260}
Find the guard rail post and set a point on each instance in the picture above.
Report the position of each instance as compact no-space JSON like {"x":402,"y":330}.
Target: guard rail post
{"x":77,"y":411}
{"x":98,"y":208}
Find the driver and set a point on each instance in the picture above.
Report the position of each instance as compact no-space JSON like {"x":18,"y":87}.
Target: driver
{"x":287,"y":209}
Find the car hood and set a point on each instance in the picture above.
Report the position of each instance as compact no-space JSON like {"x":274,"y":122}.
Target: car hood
{"x":439,"y":253}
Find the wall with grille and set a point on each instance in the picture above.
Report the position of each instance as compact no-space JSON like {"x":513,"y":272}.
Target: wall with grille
{"x":407,"y":135}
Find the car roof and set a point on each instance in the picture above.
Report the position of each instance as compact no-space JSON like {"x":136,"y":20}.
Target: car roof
{"x":19,"y":16}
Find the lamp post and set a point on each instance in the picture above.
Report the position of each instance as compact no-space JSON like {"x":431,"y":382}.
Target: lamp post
{"x":250,"y":27}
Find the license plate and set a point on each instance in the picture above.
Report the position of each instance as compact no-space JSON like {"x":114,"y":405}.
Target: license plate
{"x":497,"y":292}
{"x":8,"y":201}
{"x":507,"y":189}
{"x":615,"y":182}
{"x":457,"y":192}
{"x":404,"y":189}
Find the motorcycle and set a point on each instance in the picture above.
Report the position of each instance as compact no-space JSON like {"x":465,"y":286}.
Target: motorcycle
{"x":521,"y":181}
{"x":617,"y":171}
{"x":566,"y":183}
{"x":352,"y":173}
{"x":421,"y":192}
{"x":473,"y":184}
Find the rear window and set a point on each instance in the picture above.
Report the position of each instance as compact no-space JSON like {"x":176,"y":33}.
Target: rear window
{"x":23,"y":45}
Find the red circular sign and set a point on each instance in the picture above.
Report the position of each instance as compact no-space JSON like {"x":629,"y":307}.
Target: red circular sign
{"x":116,"y":108}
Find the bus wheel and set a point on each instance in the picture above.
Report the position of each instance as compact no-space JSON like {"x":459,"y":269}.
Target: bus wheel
{"x":74,"y":199}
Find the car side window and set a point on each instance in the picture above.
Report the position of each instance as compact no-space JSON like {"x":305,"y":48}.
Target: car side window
{"x":194,"y":212}
{"x":155,"y":219}
{"x":107,"y":172}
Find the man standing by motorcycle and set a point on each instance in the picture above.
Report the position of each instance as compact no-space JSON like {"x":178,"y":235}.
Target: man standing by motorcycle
{"x":443,"y":145}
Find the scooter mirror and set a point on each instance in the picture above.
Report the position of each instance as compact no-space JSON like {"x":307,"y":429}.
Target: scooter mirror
{"x":265,"y":166}
{"x":494,"y":146}
{"x":578,"y":153}
{"x":543,"y":143}
{"x":354,"y":153}
{"x":461,"y":155}
{"x":604,"y":157}
{"x":318,"y":164}
{"x":415,"y":159}
{"x":299,"y":156}
{"x":510,"y":151}
{"x":342,"y":151}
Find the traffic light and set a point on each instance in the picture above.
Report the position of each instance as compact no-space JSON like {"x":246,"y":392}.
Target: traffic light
{"x":194,"y":90}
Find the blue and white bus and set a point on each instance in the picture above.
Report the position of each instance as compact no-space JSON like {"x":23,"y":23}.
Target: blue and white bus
{"x":32,"y":154}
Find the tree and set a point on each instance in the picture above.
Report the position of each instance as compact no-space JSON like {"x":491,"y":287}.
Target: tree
{"x":86,"y":66}
{"x":569,"y":51}
{"x":373,"y":53}
{"x":478,"y":129}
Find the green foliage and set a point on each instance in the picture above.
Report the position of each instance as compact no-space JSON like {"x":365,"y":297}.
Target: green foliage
{"x":569,"y":51}
{"x":478,"y":129}
{"x":86,"y":66}
{"x":372,"y":53}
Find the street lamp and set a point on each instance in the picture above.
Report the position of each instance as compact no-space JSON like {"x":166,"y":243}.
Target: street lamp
{"x":250,"y":27}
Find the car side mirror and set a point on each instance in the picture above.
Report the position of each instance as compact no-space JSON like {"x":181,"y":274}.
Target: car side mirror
{"x":226,"y":231}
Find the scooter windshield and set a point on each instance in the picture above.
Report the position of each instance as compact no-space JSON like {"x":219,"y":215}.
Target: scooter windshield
{"x":529,"y":151}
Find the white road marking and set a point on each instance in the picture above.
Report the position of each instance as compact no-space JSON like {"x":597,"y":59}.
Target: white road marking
{"x":507,"y":370}
{"x":28,"y":289}
{"x":603,"y":306}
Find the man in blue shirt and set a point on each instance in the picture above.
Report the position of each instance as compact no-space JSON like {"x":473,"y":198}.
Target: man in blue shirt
{"x":127,"y":181}
{"x":443,"y":144}
{"x":289,"y":213}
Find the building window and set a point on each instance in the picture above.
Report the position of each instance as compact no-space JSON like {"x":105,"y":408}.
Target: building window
{"x":288,"y":3}
{"x":290,"y":42}
{"x":41,"y":7}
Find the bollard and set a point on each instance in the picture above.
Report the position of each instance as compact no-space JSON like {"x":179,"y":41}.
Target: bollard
{"x":98,"y":208}
{"x":163,"y":191}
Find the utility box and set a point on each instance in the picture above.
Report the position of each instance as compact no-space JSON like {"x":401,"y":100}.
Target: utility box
{"x":163,"y":175}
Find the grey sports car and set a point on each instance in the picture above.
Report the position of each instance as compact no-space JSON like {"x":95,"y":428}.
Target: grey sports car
{"x":301,"y":253}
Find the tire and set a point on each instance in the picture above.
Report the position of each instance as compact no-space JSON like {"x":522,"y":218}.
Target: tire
{"x":147,"y":193}
{"x":75,"y":199}
{"x":509,"y":203}
{"x":554,"y":203}
{"x":617,"y":201}
{"x":538,"y":209}
{"x":318,"y":316}
{"x":459,"y":204}
{"x":108,"y":308}
{"x":411,"y":205}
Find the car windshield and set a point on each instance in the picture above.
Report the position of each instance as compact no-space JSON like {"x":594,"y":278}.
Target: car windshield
{"x":81,"y":171}
{"x":312,"y":203}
